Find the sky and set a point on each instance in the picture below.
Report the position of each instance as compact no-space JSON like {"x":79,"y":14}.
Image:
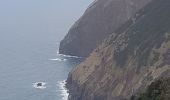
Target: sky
{"x":39,"y":18}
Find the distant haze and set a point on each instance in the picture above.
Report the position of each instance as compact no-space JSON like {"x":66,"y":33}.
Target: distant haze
{"x":30,"y":33}
{"x":41,"y":18}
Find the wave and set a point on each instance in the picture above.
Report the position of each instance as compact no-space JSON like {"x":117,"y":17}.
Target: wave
{"x":58,"y":59}
{"x":39,"y":87}
{"x":68,"y":56}
{"x":63,"y":90}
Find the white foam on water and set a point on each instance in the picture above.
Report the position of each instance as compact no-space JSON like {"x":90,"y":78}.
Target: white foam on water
{"x":63,"y":90}
{"x":39,"y":87}
{"x":68,"y":56}
{"x":58,"y":59}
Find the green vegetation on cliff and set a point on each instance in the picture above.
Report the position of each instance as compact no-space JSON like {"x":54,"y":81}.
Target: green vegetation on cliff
{"x":158,"y":90}
{"x":128,"y":61}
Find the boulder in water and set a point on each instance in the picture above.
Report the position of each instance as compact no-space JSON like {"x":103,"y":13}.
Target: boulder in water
{"x":39,"y":84}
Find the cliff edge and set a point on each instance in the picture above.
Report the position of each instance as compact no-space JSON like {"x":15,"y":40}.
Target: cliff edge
{"x":101,"y":19}
{"x":128,"y":60}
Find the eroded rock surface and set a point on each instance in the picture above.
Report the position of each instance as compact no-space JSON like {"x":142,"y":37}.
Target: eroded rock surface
{"x":128,"y":60}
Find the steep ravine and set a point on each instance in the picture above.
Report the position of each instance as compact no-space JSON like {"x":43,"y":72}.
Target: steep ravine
{"x":128,"y":60}
{"x":101,"y":19}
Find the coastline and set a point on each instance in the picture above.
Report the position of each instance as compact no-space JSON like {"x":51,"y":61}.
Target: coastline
{"x":63,"y":89}
{"x":68,"y":56}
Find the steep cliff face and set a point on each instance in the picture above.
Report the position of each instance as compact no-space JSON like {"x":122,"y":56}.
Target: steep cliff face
{"x":128,"y":60}
{"x":102,"y":18}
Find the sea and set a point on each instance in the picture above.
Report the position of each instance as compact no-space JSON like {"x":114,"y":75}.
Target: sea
{"x":23,"y":65}
{"x":30,"y":34}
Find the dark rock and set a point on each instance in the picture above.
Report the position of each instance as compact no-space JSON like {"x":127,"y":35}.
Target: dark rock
{"x":39,"y":84}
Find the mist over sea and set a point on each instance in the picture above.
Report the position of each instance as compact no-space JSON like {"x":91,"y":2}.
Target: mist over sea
{"x":30,"y":32}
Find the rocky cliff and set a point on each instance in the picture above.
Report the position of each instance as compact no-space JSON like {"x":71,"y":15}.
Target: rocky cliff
{"x":128,"y":60}
{"x":157,"y":90}
{"x":101,"y":18}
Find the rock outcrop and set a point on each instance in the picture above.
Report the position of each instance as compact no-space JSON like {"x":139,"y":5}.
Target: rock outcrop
{"x":128,"y":60}
{"x":101,"y":19}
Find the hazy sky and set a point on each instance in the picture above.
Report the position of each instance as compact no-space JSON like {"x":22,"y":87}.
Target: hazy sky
{"x":25,"y":18}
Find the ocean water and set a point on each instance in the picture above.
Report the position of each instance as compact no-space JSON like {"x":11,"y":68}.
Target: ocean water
{"x":21,"y":67}
{"x":30,"y":33}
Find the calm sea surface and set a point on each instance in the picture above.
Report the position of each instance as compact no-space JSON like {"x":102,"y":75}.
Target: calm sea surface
{"x":30,"y":32}
{"x":24,"y":65}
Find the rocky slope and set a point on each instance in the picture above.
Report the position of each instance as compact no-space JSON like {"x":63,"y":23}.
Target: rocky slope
{"x":157,"y":90}
{"x":102,"y":18}
{"x":128,"y":60}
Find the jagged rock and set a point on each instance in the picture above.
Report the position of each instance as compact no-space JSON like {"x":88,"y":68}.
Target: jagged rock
{"x":39,"y":84}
